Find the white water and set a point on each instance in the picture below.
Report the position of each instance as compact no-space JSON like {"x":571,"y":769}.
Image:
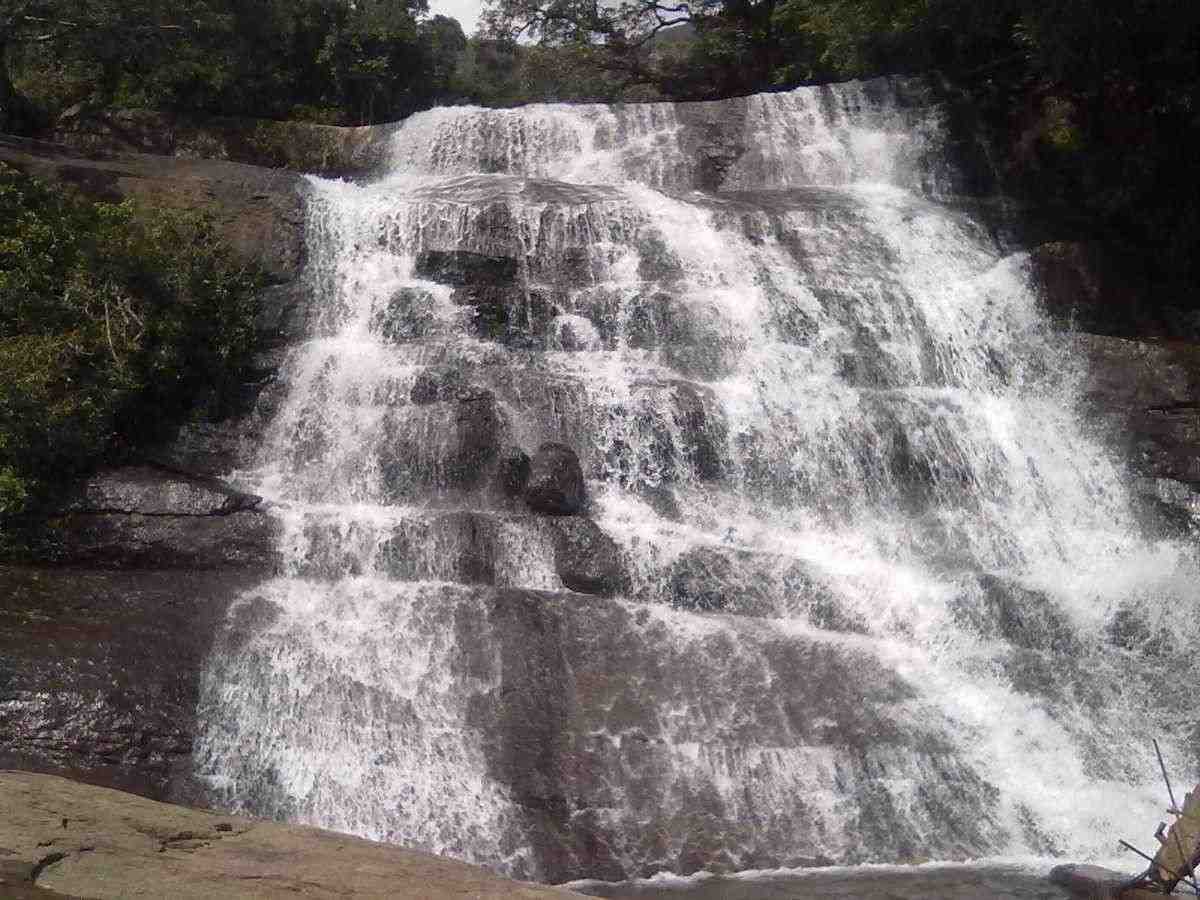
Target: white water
{"x":898,"y":419}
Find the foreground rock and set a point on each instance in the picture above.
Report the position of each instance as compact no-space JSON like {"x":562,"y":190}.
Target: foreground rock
{"x":77,"y":840}
{"x":100,"y":671}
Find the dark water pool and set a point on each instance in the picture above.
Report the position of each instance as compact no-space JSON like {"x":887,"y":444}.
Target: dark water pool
{"x":982,"y":882}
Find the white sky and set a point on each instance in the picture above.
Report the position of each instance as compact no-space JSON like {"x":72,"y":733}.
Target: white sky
{"x":466,"y":11}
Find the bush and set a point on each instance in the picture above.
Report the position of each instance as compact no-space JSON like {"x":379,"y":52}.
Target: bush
{"x":115,"y":322}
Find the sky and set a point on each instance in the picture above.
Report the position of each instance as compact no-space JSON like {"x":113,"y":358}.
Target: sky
{"x":466,"y":11}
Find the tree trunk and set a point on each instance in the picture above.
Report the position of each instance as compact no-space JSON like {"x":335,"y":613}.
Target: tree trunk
{"x":8,"y":94}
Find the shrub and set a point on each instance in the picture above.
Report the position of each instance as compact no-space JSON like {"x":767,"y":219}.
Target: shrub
{"x":115,"y":323}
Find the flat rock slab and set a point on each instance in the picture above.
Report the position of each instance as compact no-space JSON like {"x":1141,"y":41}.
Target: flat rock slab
{"x":74,"y":839}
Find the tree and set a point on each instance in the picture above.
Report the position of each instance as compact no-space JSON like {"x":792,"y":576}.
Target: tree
{"x":690,"y":49}
{"x":374,"y":58}
{"x":111,"y":37}
{"x":443,"y":44}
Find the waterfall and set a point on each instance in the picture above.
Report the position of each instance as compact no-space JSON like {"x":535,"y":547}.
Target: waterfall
{"x":855,"y":580}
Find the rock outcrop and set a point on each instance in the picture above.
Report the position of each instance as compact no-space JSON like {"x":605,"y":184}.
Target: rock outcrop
{"x":148,"y":517}
{"x":259,"y":211}
{"x":99,"y":672}
{"x":1142,"y":379}
{"x":299,"y":146}
{"x":1144,"y":396}
{"x":59,"y":838}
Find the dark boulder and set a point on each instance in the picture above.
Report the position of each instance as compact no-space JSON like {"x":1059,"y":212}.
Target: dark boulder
{"x":555,"y":481}
{"x":459,"y":267}
{"x":513,"y":472}
{"x":588,"y":560}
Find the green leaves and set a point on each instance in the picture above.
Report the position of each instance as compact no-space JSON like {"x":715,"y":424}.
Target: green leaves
{"x":106,"y":312}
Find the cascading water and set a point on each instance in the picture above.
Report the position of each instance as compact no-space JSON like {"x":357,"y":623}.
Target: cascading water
{"x":863,"y":587}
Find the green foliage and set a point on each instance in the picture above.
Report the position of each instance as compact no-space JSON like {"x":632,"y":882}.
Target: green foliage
{"x":364,"y":61}
{"x":113,"y":321}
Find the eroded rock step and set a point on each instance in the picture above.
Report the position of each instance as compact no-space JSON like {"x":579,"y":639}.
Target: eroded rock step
{"x":595,"y":717}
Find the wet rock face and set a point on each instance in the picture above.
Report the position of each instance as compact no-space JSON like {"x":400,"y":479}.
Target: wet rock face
{"x":439,"y":384}
{"x":155,"y":518}
{"x":462,"y":542}
{"x":1024,"y":618}
{"x":1084,"y":289}
{"x":407,"y":315}
{"x":692,"y":338}
{"x":99,"y":672}
{"x":502,"y":308}
{"x":462,"y":267}
{"x":1145,"y":396}
{"x":555,"y":485}
{"x":449,"y":443}
{"x":704,"y":432}
{"x":716,"y":579}
{"x":575,"y":731}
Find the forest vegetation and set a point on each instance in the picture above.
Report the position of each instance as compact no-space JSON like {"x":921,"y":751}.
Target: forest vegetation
{"x":1092,"y":108}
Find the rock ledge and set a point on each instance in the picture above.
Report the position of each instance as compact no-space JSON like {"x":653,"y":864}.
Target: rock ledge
{"x":58,"y":837}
